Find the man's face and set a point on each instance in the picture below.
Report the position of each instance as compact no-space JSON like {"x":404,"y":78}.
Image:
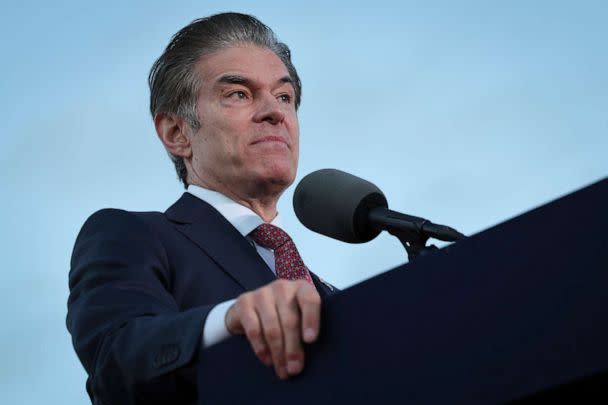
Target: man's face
{"x":247,"y":145}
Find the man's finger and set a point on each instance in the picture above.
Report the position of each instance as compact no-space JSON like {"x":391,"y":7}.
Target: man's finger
{"x":309,"y":303}
{"x":253,"y":330}
{"x":241,"y":318}
{"x":289,"y":316}
{"x":265,"y":305}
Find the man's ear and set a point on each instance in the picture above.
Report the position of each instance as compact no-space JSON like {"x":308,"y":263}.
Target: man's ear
{"x":173,"y":133}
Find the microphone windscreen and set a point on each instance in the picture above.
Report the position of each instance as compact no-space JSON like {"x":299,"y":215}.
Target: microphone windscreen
{"x":337,"y":204}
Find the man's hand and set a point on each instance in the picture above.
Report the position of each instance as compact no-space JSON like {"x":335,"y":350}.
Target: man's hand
{"x":276,"y":319}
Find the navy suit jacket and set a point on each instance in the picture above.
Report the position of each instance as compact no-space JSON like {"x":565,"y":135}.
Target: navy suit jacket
{"x":141,"y":287}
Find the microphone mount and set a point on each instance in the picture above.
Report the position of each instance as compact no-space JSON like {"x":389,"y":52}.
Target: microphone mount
{"x":413,"y":232}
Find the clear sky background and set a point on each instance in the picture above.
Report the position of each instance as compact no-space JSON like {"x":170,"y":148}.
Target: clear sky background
{"x":467,"y":113}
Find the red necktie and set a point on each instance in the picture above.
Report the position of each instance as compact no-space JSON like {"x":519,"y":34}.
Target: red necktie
{"x":288,"y":263}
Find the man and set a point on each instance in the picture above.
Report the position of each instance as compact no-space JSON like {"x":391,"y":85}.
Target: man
{"x":149,"y":291}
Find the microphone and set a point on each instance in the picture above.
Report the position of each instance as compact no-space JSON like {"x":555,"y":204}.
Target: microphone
{"x":345,"y":207}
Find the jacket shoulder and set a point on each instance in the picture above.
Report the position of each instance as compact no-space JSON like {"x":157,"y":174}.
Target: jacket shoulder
{"x":110,"y":226}
{"x":108,"y":219}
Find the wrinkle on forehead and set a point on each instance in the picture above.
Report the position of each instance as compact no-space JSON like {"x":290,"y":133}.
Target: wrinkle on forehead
{"x":241,"y":61}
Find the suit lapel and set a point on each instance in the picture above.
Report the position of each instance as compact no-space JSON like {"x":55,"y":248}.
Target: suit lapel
{"x":209,"y":230}
{"x":323,"y":287}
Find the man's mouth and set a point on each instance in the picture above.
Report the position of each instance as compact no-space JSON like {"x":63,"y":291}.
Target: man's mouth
{"x":270,"y":138}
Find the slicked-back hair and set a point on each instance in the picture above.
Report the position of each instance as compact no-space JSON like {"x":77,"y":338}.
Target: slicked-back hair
{"x":174,"y":83}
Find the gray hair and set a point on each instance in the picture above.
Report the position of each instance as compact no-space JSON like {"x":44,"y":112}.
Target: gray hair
{"x":174,"y":84}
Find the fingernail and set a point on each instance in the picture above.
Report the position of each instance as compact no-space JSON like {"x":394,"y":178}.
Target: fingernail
{"x":282,"y":373}
{"x":309,"y":335}
{"x":294,"y":367}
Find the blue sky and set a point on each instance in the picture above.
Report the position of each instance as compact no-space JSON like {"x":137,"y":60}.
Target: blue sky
{"x":467,"y":113}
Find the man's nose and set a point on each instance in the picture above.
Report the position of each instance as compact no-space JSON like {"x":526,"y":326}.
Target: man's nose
{"x":270,"y":110}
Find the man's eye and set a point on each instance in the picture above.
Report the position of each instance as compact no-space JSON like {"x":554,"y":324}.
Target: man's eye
{"x":241,"y":95}
{"x":286,"y":98}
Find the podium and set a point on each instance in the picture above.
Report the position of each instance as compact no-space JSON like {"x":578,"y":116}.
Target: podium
{"x":518,"y":312}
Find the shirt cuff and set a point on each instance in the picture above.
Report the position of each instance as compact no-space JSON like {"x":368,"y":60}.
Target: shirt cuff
{"x":215,"y":330}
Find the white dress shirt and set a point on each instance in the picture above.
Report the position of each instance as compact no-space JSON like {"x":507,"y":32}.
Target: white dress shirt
{"x":245,"y":221}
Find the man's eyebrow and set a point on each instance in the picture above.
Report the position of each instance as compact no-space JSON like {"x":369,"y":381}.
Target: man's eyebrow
{"x":286,"y":79}
{"x":238,"y":79}
{"x":234,"y":79}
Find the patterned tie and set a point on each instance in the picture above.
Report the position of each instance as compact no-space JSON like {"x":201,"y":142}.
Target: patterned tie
{"x":288,"y":263}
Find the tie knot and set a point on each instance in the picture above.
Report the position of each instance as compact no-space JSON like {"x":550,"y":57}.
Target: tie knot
{"x":269,"y":236}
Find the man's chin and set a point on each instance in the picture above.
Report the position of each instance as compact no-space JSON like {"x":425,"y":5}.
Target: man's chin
{"x":275,"y":181}
{"x":282,"y":180}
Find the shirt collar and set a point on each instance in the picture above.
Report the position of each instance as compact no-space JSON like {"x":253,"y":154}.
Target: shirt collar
{"x":241,"y":217}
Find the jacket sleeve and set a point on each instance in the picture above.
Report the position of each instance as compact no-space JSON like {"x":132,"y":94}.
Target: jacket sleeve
{"x":126,"y":327}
